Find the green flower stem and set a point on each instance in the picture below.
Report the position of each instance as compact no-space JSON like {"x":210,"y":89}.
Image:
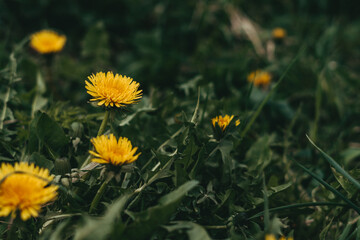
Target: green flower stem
{"x":100,"y":132}
{"x":49,"y":59}
{"x":100,"y":192}
{"x":104,"y":123}
{"x":11,"y":234}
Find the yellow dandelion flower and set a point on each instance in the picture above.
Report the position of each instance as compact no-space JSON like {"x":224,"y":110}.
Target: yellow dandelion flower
{"x":270,"y":237}
{"x":278,"y":33}
{"x":282,"y":238}
{"x":113,"y":90}
{"x":223,"y":122}
{"x":24,"y":188}
{"x":111,"y":151}
{"x":259,"y":77}
{"x":47,"y":41}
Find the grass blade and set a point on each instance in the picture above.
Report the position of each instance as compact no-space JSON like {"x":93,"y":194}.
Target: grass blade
{"x":195,"y":116}
{"x":297,"y":205}
{"x":335,"y":165}
{"x":333,"y":190}
{"x":266,"y":208}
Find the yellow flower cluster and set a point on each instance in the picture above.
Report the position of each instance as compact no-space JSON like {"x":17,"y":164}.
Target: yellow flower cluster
{"x":47,"y":41}
{"x":259,"y":78}
{"x":223,"y":122}
{"x":112,"y":151}
{"x":25,"y":189}
{"x":114,"y":90}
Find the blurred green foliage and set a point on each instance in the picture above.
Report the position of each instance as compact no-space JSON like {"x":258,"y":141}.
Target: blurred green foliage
{"x":191,"y":58}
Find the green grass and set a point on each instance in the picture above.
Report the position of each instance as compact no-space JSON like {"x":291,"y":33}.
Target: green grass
{"x":290,"y":167}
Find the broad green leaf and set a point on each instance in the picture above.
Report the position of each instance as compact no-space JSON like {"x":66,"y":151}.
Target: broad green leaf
{"x":147,"y":221}
{"x":225,"y":147}
{"x":193,"y":230}
{"x":33,"y":139}
{"x":350,"y":154}
{"x":51,"y":134}
{"x":178,"y":193}
{"x":101,"y":228}
{"x":258,"y":157}
{"x":41,"y":161}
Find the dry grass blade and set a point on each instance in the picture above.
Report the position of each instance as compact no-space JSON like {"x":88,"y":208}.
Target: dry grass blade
{"x":240,"y":23}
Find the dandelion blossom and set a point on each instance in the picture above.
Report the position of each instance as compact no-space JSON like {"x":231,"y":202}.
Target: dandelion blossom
{"x":112,"y":151}
{"x":270,"y":237}
{"x":278,"y":33}
{"x":47,"y":41}
{"x":113,"y":90}
{"x":24,"y":189}
{"x":223,"y":122}
{"x":259,"y":78}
